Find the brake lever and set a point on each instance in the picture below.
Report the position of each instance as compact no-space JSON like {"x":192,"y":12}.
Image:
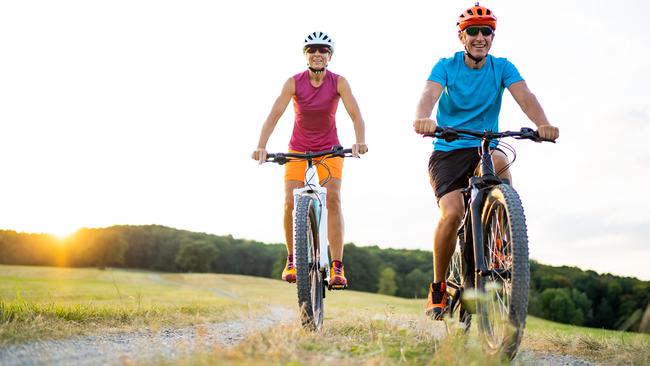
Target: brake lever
{"x":278,"y":158}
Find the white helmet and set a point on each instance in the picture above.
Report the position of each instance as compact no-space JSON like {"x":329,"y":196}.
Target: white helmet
{"x":318,"y":38}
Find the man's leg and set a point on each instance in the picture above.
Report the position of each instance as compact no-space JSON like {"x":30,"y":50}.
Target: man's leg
{"x":451,"y":216}
{"x":452,"y":209}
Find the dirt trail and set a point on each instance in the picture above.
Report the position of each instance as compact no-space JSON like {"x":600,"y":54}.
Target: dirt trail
{"x":118,"y":349}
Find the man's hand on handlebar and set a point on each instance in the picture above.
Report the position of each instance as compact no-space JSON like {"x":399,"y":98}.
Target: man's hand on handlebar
{"x":548,"y":132}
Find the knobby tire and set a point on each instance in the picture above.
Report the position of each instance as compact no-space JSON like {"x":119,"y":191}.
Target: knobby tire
{"x":504,"y":305}
{"x":309,"y":280}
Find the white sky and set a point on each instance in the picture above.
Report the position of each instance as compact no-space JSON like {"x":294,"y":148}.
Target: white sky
{"x":146,"y":112}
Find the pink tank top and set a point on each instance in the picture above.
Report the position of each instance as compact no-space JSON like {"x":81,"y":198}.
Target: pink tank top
{"x":315,"y":109}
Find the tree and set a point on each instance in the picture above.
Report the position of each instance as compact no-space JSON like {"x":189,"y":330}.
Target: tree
{"x":387,"y":284}
{"x":195,"y":256}
{"x":605,"y":314}
{"x":362,"y":268}
{"x":559,"y":306}
{"x":416,"y":283}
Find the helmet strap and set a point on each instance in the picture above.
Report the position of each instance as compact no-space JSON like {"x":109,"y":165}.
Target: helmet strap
{"x":476,"y":60}
{"x":316,"y":71}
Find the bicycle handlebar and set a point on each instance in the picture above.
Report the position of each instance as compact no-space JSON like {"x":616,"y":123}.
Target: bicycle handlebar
{"x":450,"y":134}
{"x":282,"y":158}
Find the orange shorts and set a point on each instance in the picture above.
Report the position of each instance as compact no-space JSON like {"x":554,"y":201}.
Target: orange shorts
{"x":295,"y":170}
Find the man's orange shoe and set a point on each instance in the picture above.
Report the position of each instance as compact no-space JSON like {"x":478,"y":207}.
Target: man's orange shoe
{"x":337,"y":276}
{"x":437,"y":300}
{"x":289,"y":272}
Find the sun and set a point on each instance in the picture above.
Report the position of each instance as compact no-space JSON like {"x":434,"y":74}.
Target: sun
{"x":63,"y":233}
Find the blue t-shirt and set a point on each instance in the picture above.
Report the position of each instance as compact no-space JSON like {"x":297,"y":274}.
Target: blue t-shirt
{"x":471,"y":99}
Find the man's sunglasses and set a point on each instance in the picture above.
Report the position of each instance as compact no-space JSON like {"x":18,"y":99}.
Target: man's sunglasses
{"x":323,"y":49}
{"x":473,"y":31}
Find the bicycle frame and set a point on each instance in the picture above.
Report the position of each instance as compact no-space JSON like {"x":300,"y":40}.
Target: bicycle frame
{"x":476,"y":193}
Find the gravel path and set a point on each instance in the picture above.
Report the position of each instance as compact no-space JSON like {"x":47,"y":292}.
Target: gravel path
{"x":548,"y":359}
{"x":118,"y":349}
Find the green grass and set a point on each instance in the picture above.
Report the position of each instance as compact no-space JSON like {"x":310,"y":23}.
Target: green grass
{"x":359,"y":328}
{"x":48,"y":302}
{"x":598,"y":345}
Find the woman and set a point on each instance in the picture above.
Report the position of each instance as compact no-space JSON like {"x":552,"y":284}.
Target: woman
{"x":315,"y":93}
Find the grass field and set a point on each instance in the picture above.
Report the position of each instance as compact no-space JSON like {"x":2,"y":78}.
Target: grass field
{"x":46,"y":302}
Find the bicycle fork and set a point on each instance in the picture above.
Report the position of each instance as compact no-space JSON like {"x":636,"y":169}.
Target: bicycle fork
{"x":319,"y":196}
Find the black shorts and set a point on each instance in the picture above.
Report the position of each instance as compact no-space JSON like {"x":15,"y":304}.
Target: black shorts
{"x":451,"y":170}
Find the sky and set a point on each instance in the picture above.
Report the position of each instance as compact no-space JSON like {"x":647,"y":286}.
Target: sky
{"x":147,"y":112}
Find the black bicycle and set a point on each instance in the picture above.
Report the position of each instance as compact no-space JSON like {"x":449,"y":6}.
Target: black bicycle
{"x":310,"y":246}
{"x":489,"y":272}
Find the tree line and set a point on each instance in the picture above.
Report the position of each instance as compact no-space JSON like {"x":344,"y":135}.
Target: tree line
{"x":563,"y":294}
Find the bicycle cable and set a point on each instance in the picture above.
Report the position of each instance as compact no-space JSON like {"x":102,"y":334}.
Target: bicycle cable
{"x":500,"y":144}
{"x":327,"y":168}
{"x":510,"y":148}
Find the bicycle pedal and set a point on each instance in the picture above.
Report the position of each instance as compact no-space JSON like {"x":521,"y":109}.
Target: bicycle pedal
{"x":337,"y":287}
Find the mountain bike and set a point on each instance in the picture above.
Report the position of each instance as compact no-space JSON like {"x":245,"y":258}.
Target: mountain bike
{"x":489,"y":272}
{"x":310,"y":245}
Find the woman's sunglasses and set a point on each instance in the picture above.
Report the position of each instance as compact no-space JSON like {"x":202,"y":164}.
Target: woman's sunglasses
{"x":473,"y":31}
{"x":323,"y":49}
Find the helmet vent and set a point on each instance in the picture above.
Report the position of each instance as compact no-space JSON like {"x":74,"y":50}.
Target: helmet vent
{"x":479,"y":11}
{"x":470,"y":11}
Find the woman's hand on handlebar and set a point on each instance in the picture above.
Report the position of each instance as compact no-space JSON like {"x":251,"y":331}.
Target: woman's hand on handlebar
{"x":424,"y":126}
{"x":259,"y":154}
{"x":359,"y":148}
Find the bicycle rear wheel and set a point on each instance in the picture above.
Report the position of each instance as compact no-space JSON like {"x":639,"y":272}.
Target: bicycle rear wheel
{"x":309,"y":278}
{"x":504,"y":306}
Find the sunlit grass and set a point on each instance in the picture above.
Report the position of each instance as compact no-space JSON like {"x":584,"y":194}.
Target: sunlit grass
{"x":359,"y":328}
{"x":49,"y":302}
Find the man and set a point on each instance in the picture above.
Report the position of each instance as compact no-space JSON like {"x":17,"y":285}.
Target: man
{"x":316,"y":93}
{"x":468,"y":88}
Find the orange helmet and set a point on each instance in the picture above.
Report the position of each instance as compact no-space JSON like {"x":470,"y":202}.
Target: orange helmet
{"x":477,"y":15}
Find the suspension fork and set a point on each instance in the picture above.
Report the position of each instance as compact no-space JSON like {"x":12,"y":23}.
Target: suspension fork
{"x":476,"y":205}
{"x":318,"y":193}
{"x":480,"y":188}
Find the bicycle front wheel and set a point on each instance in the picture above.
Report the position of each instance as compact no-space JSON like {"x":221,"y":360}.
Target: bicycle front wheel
{"x":504,"y":304}
{"x":309,"y":278}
